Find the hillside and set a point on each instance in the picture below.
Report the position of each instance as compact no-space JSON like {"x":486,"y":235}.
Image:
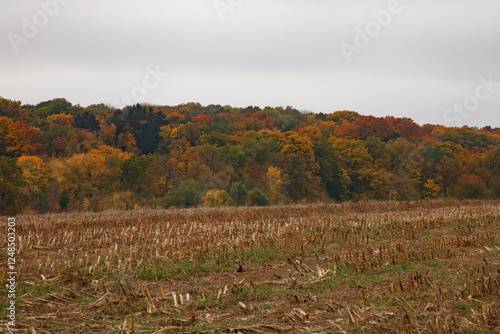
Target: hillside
{"x":55,"y":156}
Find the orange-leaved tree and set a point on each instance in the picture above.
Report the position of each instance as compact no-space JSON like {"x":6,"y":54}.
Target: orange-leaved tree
{"x":18,"y":138}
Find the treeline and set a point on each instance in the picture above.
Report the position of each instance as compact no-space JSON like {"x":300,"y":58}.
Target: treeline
{"x":55,"y":156}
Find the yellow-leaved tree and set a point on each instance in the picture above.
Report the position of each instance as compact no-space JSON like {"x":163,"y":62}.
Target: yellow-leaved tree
{"x":431,"y":189}
{"x":366,"y":180}
{"x":301,"y":166}
{"x":87,"y":176}
{"x":275,"y":180}
{"x":38,"y":176}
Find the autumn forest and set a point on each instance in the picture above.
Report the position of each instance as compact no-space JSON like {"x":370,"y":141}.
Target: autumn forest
{"x":56,"y":156}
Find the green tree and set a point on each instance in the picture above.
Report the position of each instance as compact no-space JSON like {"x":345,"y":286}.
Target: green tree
{"x":467,"y":138}
{"x":287,"y":122}
{"x":87,"y":120}
{"x":261,"y":147}
{"x":333,"y":175}
{"x":188,"y":194}
{"x":64,"y":200}
{"x":144,"y":123}
{"x":340,"y":116}
{"x":239,"y":193}
{"x":54,"y":139}
{"x":257,"y":198}
{"x":52,"y":107}
{"x":135,"y":174}
{"x":379,"y":152}
{"x":13,"y":196}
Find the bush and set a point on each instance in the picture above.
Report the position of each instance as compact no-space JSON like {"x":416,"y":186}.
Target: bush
{"x":257,"y":198}
{"x":188,"y":194}
{"x":64,"y":200}
{"x":470,"y":187}
{"x":216,"y":198}
{"x":239,"y":193}
{"x":124,"y":200}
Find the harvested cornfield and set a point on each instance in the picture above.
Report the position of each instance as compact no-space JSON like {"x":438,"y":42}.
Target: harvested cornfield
{"x":390,"y":267}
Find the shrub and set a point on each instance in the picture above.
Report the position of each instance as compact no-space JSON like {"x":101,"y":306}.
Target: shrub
{"x":124,"y":200}
{"x":470,"y":187}
{"x":188,"y":194}
{"x":257,"y":198}
{"x":64,"y":200}
{"x":216,"y":198}
{"x":239,"y":193}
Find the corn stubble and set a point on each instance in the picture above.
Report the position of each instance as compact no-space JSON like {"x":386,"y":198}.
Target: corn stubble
{"x":409,"y":267}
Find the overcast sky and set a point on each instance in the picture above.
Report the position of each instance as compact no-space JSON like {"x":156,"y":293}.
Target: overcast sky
{"x":427,"y":60}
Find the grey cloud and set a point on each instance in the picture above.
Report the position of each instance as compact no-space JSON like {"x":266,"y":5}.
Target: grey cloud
{"x":263,"y":53}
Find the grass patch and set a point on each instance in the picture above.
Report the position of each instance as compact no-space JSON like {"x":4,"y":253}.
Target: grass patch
{"x":38,"y":289}
{"x":404,"y":266}
{"x":261,"y":255}
{"x":211,"y":264}
{"x":494,"y":244}
{"x":462,"y":306}
{"x":326,"y":286}
{"x":172,"y":271}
